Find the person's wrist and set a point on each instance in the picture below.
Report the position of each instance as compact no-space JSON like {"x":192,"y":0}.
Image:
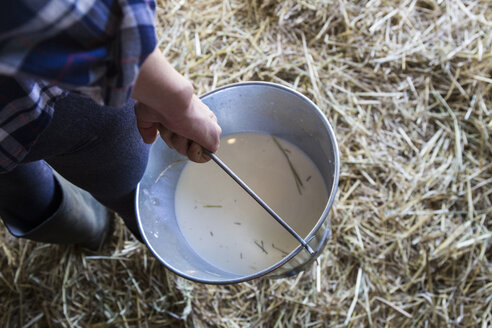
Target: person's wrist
{"x":171,"y":103}
{"x":161,"y":87}
{"x":180,"y":99}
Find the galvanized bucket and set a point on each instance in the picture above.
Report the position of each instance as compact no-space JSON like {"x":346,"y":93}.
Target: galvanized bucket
{"x":243,"y":107}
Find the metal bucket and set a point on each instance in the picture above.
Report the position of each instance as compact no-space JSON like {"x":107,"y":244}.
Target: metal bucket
{"x":243,"y":107}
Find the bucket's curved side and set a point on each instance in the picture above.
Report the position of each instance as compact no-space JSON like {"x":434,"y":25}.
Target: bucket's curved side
{"x":303,"y":260}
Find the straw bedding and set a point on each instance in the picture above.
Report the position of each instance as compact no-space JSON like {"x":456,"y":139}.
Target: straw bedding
{"x":407,"y":86}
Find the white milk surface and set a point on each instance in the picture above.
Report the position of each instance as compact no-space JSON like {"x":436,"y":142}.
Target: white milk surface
{"x":225,"y":226}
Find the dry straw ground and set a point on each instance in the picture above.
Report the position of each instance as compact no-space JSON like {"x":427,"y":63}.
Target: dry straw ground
{"x":407,"y":86}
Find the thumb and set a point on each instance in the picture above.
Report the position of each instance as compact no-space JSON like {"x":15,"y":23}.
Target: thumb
{"x":148,"y":131}
{"x":147,"y":126}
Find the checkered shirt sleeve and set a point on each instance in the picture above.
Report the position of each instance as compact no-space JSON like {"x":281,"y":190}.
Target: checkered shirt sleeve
{"x":93,"y":47}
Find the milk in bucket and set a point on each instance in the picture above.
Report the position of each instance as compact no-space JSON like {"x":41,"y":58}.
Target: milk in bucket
{"x":225,"y":226}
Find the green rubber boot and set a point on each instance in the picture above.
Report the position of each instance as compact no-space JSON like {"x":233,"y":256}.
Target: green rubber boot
{"x":80,"y":219}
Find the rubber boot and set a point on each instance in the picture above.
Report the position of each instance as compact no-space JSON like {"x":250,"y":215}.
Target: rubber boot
{"x":80,"y":219}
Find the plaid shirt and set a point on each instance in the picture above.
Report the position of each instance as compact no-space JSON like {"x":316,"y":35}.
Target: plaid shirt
{"x":93,"y":47}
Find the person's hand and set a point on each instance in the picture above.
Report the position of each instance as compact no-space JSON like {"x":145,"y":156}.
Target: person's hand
{"x":167,"y":103}
{"x":187,"y":131}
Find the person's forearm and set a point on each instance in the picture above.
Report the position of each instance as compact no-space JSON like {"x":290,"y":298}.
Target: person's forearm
{"x":159,"y":83}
